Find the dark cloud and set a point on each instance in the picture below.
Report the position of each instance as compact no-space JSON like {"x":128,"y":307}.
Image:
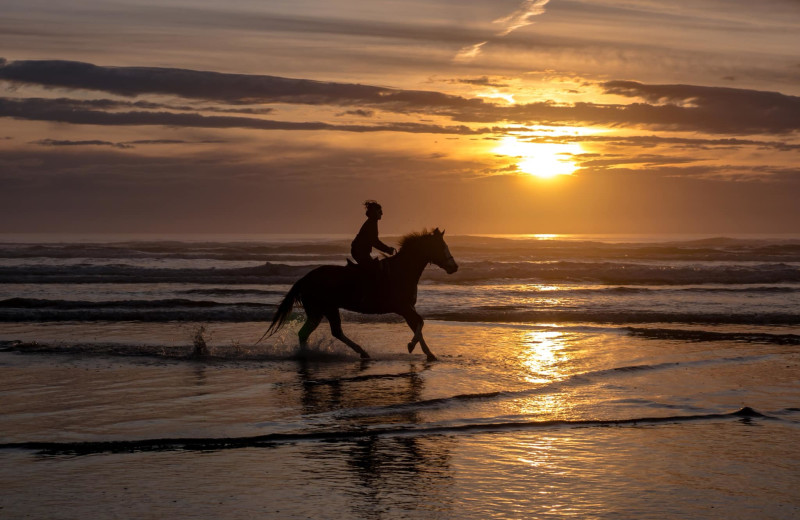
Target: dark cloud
{"x":115,"y":104}
{"x":359,"y":112}
{"x":42,"y":109}
{"x":716,"y":109}
{"x":174,"y":141}
{"x":671,"y":107}
{"x":58,"y":142}
{"x":215,"y":86}
{"x":612,"y":161}
{"x":122,"y":145}
{"x":652,"y":141}
{"x":483,"y":81}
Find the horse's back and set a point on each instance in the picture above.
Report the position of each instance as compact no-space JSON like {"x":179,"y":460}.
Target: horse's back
{"x":328,"y":274}
{"x":327,"y":282}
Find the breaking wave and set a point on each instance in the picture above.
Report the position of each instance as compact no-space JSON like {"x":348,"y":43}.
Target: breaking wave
{"x":611,"y":273}
{"x":271,"y":439}
{"x":41,"y":310}
{"x":704,"y":335}
{"x":30,"y":309}
{"x":321,"y":248}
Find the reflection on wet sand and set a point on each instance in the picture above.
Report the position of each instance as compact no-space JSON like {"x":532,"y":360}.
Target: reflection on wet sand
{"x":384,"y":472}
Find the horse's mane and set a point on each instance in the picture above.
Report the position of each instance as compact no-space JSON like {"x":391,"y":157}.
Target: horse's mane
{"x":413,"y":238}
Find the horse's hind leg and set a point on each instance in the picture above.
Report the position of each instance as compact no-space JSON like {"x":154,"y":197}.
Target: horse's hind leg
{"x":313,"y":317}
{"x":336,"y":329}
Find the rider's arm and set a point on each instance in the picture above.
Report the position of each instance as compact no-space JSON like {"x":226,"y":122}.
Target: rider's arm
{"x":383,"y":247}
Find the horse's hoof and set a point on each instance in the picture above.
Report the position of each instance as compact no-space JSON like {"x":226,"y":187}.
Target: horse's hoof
{"x":431,"y":357}
{"x":411,"y":347}
{"x":364,"y":355}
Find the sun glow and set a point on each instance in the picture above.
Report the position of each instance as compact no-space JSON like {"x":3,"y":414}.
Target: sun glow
{"x":544,"y":160}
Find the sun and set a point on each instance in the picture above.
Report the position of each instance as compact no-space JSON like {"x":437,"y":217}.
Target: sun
{"x":543,"y":160}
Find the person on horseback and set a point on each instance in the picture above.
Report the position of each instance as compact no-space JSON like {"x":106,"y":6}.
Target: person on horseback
{"x":361,"y":249}
{"x":367,"y":237}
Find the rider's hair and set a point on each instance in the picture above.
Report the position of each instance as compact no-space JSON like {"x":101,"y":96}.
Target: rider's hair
{"x":371,"y":205}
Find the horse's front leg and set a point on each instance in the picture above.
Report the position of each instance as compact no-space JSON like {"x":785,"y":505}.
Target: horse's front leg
{"x":415,"y":322}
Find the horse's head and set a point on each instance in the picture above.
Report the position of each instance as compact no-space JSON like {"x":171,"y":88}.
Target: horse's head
{"x":440,"y":253}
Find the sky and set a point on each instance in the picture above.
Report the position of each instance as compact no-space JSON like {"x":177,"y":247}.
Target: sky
{"x":493,"y":116}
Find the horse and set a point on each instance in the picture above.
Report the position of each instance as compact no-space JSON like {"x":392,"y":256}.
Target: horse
{"x":389,"y":286}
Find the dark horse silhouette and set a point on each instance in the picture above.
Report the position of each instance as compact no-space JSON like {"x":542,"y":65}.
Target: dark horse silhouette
{"x":390,"y":288}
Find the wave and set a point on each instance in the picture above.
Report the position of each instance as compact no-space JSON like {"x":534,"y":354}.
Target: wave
{"x":614,"y":273}
{"x":189,"y":353}
{"x":272,"y":439}
{"x":609,"y":273}
{"x":264,"y":274}
{"x":767,"y":289}
{"x":235,"y":292}
{"x":35,"y":303}
{"x":40,"y":310}
{"x":704,"y":335}
{"x":546,"y":388}
{"x":513,"y":315}
{"x":712,"y":249}
{"x":232,"y":251}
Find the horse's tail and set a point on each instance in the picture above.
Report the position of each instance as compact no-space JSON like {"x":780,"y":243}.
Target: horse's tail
{"x":284,"y":309}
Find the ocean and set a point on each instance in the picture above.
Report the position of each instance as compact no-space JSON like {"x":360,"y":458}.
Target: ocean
{"x":580,"y":376}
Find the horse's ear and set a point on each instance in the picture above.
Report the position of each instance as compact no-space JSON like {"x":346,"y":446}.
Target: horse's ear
{"x":437,"y":232}
{"x":443,"y":232}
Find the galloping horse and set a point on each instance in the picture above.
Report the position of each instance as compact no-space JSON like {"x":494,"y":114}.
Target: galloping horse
{"x":328,"y":288}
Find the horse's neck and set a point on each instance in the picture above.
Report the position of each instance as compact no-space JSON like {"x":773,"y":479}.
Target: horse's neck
{"x":411,"y":263}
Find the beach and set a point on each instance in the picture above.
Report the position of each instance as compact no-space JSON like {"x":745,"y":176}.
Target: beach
{"x":578,"y":376}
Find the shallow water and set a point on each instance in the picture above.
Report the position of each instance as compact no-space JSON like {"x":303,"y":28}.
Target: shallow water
{"x":636,"y":401}
{"x":466,"y":437}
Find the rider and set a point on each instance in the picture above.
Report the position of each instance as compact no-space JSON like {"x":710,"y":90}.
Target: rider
{"x":367,"y":237}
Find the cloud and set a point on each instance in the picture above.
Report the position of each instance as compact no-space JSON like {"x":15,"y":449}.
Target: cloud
{"x":58,"y":142}
{"x":651,"y":141}
{"x":482,"y":81}
{"x":114,"y":104}
{"x":717,"y":109}
{"x":122,"y":145}
{"x":469,"y":53}
{"x":720,"y":110}
{"x":647,"y":160}
{"x":359,"y":112}
{"x":42,"y":109}
{"x":216,"y":86}
{"x":520,"y":18}
{"x":174,"y":141}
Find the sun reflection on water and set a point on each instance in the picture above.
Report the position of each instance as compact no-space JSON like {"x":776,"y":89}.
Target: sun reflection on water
{"x":544,"y":358}
{"x":542,"y":354}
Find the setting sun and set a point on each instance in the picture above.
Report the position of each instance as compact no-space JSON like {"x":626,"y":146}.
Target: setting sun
{"x":544,"y":160}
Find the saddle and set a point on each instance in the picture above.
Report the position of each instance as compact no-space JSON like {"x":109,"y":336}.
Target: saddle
{"x":376,"y":267}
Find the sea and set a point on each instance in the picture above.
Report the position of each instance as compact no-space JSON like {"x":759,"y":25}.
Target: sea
{"x":578,"y":376}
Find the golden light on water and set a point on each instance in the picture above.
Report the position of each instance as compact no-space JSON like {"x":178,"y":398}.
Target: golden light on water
{"x":542,"y":354}
{"x":543,"y":160}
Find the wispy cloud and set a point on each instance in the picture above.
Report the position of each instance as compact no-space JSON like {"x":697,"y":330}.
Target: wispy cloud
{"x":522,"y":17}
{"x":470,"y":52}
